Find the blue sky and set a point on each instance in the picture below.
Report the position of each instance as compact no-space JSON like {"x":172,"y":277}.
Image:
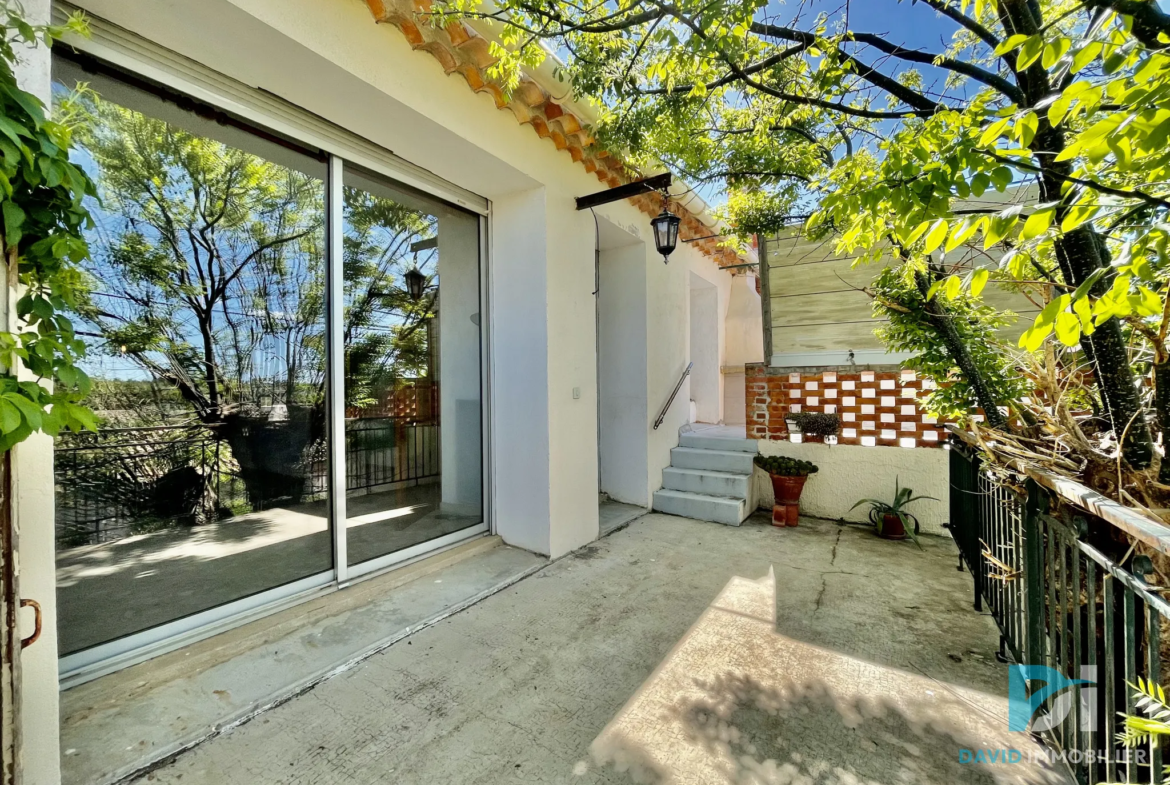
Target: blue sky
{"x":907,"y":23}
{"x":915,"y":25}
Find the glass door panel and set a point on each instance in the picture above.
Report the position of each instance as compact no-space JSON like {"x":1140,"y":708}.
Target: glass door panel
{"x":412,"y":368}
{"x":207,"y":480}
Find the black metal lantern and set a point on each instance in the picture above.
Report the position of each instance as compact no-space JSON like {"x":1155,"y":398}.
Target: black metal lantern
{"x":415,"y":281}
{"x":666,"y":232}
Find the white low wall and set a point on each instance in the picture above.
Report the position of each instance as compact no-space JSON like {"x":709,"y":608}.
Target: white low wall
{"x":850,"y":472}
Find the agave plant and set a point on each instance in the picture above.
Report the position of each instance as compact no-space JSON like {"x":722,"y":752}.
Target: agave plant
{"x":879,"y":509}
{"x":1153,"y":719}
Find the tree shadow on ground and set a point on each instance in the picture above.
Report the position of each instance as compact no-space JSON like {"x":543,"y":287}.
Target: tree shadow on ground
{"x":802,"y":732}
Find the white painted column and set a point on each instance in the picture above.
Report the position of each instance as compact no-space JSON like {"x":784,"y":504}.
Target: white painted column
{"x":572,"y":375}
{"x":32,"y":463}
{"x":518,"y":280}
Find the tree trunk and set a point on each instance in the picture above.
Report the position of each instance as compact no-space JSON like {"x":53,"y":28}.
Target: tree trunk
{"x":941,"y":320}
{"x":1080,"y":253}
{"x":1162,"y":411}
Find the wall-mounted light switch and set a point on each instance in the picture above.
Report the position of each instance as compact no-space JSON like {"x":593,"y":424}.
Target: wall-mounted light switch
{"x":576,"y":393}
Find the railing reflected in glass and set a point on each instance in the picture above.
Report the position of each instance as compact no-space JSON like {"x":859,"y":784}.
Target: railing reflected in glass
{"x":208,"y":481}
{"x":206,"y":322}
{"x":412,"y":368}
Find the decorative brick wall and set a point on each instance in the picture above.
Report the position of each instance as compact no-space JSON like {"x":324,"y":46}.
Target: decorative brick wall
{"x":877,"y":408}
{"x":410,"y":403}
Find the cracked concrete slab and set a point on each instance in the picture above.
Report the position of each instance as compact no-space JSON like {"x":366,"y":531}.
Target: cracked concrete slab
{"x":672,"y":651}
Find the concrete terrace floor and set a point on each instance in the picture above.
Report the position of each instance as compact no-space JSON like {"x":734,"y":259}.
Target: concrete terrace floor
{"x":673,"y":651}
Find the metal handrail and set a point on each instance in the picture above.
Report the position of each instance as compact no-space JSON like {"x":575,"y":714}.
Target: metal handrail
{"x":1062,"y":601}
{"x":677,"y":387}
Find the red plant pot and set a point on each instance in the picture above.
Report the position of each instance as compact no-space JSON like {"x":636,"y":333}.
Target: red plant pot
{"x":786,"y":510}
{"x":892,"y":528}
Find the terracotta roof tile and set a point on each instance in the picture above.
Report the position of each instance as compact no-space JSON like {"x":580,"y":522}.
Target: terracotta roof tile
{"x":459,"y":49}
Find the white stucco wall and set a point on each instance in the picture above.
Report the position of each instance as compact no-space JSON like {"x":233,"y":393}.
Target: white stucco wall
{"x":745,"y":335}
{"x":519,"y":335}
{"x":744,"y":344}
{"x":850,"y":472}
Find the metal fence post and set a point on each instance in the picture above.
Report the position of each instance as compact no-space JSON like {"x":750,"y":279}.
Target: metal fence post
{"x":1034,"y":505}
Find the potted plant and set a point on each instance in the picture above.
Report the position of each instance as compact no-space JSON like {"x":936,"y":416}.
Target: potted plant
{"x":890,"y":519}
{"x":818,"y":426}
{"x":793,"y":423}
{"x":788,"y":477}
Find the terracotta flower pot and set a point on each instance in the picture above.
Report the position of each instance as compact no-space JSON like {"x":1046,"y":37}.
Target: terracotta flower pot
{"x":786,"y":510}
{"x":892,"y":528}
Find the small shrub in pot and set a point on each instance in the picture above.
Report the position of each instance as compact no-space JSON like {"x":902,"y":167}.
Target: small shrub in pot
{"x":817,"y":423}
{"x":788,"y":477}
{"x":781,"y":466}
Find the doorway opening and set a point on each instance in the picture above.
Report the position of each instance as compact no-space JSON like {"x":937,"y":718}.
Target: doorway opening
{"x":704,"y":346}
{"x":622,"y":397}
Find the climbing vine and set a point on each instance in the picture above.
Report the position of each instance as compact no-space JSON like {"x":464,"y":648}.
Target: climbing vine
{"x":42,"y":223}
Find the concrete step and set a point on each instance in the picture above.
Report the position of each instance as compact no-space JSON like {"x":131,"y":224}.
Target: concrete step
{"x":700,"y":442}
{"x":719,"y":509}
{"x":712,"y":460}
{"x":706,"y":482}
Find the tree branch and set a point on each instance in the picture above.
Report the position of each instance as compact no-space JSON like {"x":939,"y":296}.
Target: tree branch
{"x":1149,"y":21}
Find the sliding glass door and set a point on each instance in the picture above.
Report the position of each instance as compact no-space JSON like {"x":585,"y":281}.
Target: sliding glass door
{"x":412,"y":368}
{"x":233,"y":467}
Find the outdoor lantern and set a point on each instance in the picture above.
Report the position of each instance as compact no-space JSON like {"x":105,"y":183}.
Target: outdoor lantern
{"x":666,"y":232}
{"x":415,"y":281}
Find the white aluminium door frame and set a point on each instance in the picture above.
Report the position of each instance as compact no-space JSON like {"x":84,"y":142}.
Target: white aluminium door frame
{"x":335,"y":363}
{"x":127,"y":51}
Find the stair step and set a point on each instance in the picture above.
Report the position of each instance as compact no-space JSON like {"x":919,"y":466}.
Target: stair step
{"x":705,"y":481}
{"x":700,"y":442}
{"x":713,"y":460}
{"x":718,"y":509}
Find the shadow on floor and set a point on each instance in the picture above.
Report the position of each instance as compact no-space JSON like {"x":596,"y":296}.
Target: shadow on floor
{"x":817,"y":674}
{"x":119,"y":588}
{"x":805,"y":733}
{"x":674,"y":651}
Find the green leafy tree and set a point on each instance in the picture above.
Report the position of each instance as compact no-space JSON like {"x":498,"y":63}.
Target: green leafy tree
{"x":385,"y":330}
{"x":208,"y":278}
{"x":1060,"y":105}
{"x":42,"y":223}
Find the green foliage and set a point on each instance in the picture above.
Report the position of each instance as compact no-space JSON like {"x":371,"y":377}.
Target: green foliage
{"x":907,"y":329}
{"x":210,"y":272}
{"x":1030,"y":150}
{"x":786,"y":467}
{"x":1152,"y":723}
{"x":43,"y":218}
{"x":208,"y":255}
{"x":816,"y":423}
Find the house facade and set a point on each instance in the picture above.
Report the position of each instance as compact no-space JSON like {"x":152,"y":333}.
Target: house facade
{"x":825,"y":356}
{"x":345,"y":314}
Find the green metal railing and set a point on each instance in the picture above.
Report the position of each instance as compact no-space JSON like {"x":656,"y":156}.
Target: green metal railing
{"x":1068,"y":592}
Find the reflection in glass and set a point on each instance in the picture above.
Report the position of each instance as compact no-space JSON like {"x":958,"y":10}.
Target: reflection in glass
{"x":412,"y":368}
{"x":207,"y":480}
